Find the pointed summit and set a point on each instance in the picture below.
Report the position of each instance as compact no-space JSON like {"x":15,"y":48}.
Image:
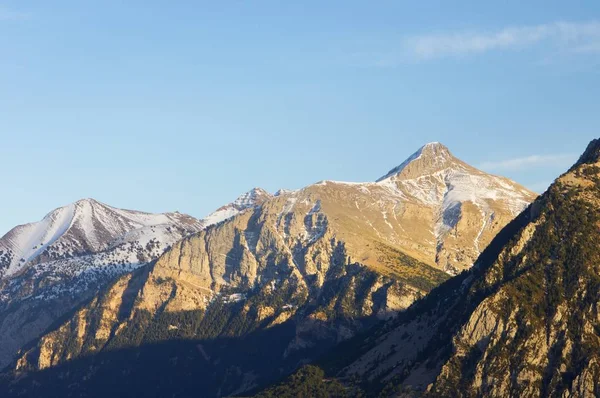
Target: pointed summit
{"x":430,"y":158}
{"x":434,"y":147}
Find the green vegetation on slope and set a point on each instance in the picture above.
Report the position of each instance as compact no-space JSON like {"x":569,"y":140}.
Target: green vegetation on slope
{"x":308,"y":382}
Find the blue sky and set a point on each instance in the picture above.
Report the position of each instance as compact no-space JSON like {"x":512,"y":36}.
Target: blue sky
{"x":164,"y":106}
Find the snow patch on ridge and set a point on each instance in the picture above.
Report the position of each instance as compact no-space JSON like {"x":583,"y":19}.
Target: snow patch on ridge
{"x":248,"y":200}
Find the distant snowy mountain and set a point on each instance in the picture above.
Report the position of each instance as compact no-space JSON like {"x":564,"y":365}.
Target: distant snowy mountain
{"x":88,"y":227}
{"x":50,"y":266}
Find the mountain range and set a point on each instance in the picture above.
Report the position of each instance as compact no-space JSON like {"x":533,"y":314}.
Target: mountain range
{"x":286,"y":276}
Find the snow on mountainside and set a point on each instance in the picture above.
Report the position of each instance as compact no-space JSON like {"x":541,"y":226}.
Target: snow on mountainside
{"x":81,"y":246}
{"x":87,"y":227}
{"x":49,"y":267}
{"x":250,"y":199}
{"x":435,"y":177}
{"x":433,"y":206}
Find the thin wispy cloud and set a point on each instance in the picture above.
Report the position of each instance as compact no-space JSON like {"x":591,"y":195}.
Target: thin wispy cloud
{"x":572,"y":36}
{"x":527,"y":162}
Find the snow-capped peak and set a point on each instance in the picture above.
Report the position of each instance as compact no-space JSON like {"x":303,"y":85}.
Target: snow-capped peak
{"x":250,"y":198}
{"x":83,"y":227}
{"x":430,"y":158}
{"x":254,"y":197}
{"x":434,"y":177}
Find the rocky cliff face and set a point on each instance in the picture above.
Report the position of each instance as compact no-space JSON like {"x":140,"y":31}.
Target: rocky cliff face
{"x":522,"y":322}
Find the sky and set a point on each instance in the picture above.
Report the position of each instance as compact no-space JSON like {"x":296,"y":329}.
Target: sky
{"x":183,"y":105}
